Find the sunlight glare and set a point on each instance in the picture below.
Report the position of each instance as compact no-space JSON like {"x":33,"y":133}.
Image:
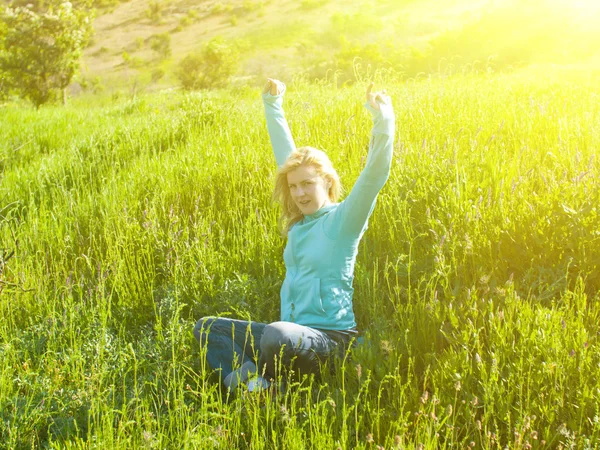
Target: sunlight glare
{"x":581,"y":7}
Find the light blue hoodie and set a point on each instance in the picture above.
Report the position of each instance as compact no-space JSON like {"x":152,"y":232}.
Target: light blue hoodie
{"x":321,"y":249}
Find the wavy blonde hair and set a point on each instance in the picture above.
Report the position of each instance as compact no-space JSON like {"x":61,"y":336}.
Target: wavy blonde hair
{"x":304,"y":156}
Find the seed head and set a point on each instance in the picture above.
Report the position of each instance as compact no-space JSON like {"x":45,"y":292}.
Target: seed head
{"x":358,"y":371}
{"x":534,"y":435}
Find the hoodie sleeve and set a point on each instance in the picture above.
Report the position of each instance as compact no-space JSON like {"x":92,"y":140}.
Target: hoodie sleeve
{"x":279,"y":131}
{"x":350,"y":218}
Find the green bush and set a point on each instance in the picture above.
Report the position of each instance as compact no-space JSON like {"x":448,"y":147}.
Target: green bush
{"x":155,"y":11}
{"x":161,"y":44}
{"x":211,"y":67}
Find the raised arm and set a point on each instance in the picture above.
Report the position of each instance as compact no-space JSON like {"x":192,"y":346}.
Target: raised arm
{"x":279,"y":131}
{"x":350,"y":218}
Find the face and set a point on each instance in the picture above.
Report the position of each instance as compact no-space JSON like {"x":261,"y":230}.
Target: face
{"x":308,"y":189}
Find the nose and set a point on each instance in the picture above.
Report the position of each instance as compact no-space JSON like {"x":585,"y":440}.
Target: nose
{"x":299,"y":191}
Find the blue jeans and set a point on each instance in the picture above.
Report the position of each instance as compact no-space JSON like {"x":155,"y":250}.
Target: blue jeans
{"x":230,"y":343}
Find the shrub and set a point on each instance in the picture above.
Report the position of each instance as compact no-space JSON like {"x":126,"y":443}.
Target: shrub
{"x":211,"y":67}
{"x":155,"y":11}
{"x":161,"y":44}
{"x":185,"y":21}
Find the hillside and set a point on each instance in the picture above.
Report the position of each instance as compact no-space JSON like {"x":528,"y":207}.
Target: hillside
{"x":279,"y":38}
{"x":139,"y":44}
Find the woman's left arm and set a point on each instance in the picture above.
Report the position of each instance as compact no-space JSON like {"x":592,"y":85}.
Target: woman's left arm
{"x":352,"y":214}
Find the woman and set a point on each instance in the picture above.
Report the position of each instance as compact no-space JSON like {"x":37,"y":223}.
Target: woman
{"x":317,"y":320}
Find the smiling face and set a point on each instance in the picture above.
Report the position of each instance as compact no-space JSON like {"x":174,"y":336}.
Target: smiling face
{"x":309,"y":190}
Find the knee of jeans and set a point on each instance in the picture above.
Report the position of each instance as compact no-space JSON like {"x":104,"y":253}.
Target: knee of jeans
{"x":275,"y":336}
{"x":202,"y":328}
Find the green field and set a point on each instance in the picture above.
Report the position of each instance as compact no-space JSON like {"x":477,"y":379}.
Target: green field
{"x":476,"y":284}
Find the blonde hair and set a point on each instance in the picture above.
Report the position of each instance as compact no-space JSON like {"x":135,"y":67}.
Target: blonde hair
{"x":304,"y":156}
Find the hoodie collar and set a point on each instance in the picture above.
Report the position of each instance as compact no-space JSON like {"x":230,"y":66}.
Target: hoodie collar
{"x":321,"y":212}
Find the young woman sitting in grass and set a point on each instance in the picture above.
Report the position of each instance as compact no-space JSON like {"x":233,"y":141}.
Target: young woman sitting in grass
{"x":317,"y":320}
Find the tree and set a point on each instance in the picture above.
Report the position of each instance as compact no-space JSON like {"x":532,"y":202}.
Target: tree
{"x":211,"y":67}
{"x":41,"y":50}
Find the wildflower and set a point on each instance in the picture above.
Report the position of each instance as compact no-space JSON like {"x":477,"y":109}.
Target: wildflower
{"x":370,"y":438}
{"x":397,"y":440}
{"x":358,"y":371}
{"x":285,"y":416}
{"x":147,"y":435}
{"x":387,"y":348}
{"x":424,"y":397}
{"x":449,"y":410}
{"x":457,"y":385}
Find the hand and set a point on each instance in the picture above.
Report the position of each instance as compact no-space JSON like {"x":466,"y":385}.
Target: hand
{"x":376,"y":98}
{"x":273,"y":86}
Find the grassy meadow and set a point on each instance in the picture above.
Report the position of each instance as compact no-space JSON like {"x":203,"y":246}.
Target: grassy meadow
{"x":476,"y":286}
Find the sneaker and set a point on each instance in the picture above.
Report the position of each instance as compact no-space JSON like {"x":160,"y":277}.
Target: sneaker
{"x":239,"y":376}
{"x":257,"y":384}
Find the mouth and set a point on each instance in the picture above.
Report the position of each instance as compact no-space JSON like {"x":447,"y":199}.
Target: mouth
{"x":304,"y":203}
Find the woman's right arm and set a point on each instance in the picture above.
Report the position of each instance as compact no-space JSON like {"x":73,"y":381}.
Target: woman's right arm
{"x":279,"y":131}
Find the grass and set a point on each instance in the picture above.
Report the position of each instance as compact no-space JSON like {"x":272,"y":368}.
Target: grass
{"x":476,"y":284}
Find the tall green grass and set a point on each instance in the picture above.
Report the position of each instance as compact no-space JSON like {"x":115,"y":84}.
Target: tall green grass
{"x":476,"y":284}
